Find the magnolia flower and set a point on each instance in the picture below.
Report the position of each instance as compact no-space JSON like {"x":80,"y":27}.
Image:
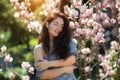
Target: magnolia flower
{"x":111,"y":73}
{"x":1,"y":70}
{"x":90,"y":22}
{"x":35,"y":25}
{"x":16,"y":15}
{"x":89,"y":12}
{"x":95,"y":17}
{"x":22,"y":6}
{"x":118,"y":62}
{"x":114,"y":45}
{"x":85,"y":51}
{"x":25,"y":65}
{"x":89,"y":33}
{"x":74,"y":13}
{"x":78,"y":31}
{"x":99,"y":37}
{"x":66,"y":9}
{"x":13,"y":1}
{"x":24,"y":13}
{"x":83,"y":8}
{"x":103,"y":15}
{"x":3,"y":49}
{"x":104,"y":4}
{"x":8,"y":59}
{"x":25,"y":78}
{"x":77,"y":3}
{"x":105,"y":66}
{"x":113,"y":21}
{"x":16,"y":5}
{"x":12,"y":76}
{"x":72,"y":25}
{"x":108,"y":57}
{"x":100,"y":58}
{"x":87,"y":69}
{"x":101,"y":75}
{"x":92,"y":1}
{"x":31,"y":70}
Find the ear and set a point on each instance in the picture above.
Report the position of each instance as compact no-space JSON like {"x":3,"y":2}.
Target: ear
{"x":47,"y":24}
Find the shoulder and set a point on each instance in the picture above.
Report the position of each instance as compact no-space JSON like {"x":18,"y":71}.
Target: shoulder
{"x":73,"y":42}
{"x":38,"y":48}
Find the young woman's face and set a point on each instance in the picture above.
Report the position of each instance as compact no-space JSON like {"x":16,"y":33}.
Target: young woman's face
{"x":55,"y":27}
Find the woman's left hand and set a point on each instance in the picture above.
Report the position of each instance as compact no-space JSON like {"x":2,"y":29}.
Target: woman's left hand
{"x":44,"y":64}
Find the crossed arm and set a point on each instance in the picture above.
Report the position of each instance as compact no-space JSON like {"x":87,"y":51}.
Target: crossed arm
{"x":66,"y":65}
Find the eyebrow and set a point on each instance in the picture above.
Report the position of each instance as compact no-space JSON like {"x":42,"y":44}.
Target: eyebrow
{"x":58,"y":23}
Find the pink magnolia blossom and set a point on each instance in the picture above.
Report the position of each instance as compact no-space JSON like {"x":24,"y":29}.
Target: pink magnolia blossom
{"x":87,"y":69}
{"x":111,"y":73}
{"x":99,"y":36}
{"x":108,"y":57}
{"x":100,"y":58}
{"x":83,"y":31}
{"x":89,"y":12}
{"x":8,"y":58}
{"x":3,"y":49}
{"x":74,"y":13}
{"x":66,"y":9}
{"x":25,"y":78}
{"x":31,"y":70}
{"x":90,"y":22}
{"x":118,"y":62}
{"x":24,"y":14}
{"x":114,"y":45}
{"x":22,"y":6}
{"x":77,"y":3}
{"x":72,"y":24}
{"x":25,"y":65}
{"x":13,"y":1}
{"x":12,"y":76}
{"x":106,"y":22}
{"x":16,"y":5}
{"x":83,"y":21}
{"x":35,"y":25}
{"x":101,"y":75}
{"x":17,"y":15}
{"x":95,"y":17}
{"x":85,"y":51}
{"x":103,"y":15}
{"x":92,"y":1}
{"x":89,"y":33}
{"x":78,"y":31}
{"x":105,"y":66}
{"x":83,"y":8}
{"x":101,"y":30}
{"x":113,"y":21}
{"x":98,"y":5}
{"x":104,"y":4}
{"x":77,"y":24}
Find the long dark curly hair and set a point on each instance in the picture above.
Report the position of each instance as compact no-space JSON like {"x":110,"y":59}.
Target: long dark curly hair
{"x":61,"y":42}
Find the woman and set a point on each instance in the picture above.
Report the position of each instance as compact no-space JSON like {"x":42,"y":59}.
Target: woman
{"x":55,"y":54}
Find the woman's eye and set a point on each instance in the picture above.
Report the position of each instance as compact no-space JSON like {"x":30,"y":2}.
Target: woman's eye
{"x":56,"y":24}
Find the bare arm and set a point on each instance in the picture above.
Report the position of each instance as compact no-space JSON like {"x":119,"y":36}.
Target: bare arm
{"x":48,"y":74}
{"x":56,"y":63}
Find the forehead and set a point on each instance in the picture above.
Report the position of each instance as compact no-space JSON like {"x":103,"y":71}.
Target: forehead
{"x":59,"y":20}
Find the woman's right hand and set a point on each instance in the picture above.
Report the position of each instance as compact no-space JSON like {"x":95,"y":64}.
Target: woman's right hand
{"x":69,"y":69}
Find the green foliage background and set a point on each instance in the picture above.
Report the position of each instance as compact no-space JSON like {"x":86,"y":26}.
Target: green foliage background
{"x":16,"y":37}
